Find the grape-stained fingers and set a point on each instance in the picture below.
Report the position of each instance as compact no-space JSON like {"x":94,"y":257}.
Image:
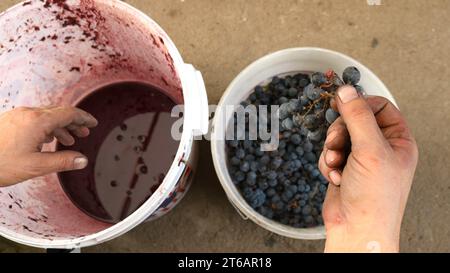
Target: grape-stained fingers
{"x":65,"y":122}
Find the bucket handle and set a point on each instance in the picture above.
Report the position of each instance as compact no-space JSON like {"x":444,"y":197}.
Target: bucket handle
{"x":196,"y":101}
{"x":243,"y":216}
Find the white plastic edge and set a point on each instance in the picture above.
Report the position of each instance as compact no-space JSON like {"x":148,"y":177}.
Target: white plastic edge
{"x":195,"y":101}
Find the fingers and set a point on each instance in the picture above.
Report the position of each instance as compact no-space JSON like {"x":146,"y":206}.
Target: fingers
{"x":64,"y":137}
{"x":79,"y":131}
{"x":389,"y":118}
{"x":334,"y":158}
{"x":330,"y":172}
{"x":338,"y":137}
{"x":395,"y":129}
{"x":359,"y":119}
{"x":64,"y":122}
{"x":334,"y":153}
{"x":61,"y":117}
{"x":39,"y":164}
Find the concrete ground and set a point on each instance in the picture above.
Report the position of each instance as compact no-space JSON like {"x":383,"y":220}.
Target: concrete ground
{"x":406,"y":43}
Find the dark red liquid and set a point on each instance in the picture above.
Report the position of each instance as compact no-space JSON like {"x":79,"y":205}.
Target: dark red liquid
{"x":129,"y":153}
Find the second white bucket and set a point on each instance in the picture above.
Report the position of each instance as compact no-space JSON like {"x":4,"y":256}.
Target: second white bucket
{"x":283,"y":62}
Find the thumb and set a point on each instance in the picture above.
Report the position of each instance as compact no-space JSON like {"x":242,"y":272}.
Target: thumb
{"x":38,"y":164}
{"x":359,"y":119}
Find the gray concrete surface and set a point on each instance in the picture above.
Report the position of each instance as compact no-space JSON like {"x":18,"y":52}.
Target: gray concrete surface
{"x":405,"y":42}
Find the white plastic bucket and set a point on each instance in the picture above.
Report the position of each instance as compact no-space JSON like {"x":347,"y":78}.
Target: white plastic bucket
{"x":279,"y":63}
{"x":36,"y":54}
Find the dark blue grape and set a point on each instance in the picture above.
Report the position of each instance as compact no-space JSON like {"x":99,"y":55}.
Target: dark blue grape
{"x":304,"y":101}
{"x":240,"y":153}
{"x":263,"y":185}
{"x":299,"y":150}
{"x":311,"y":157}
{"x":276,"y":163}
{"x":249,"y":157}
{"x":316,"y":135}
{"x":302,"y":188}
{"x":275,"y":198}
{"x":331,"y":115}
{"x":275,"y":80}
{"x":247,"y":192}
{"x":360,"y":90}
{"x":306,"y":210}
{"x":293,"y":188}
{"x":292,"y":92}
{"x":283,"y":111}
{"x":270,"y":192}
{"x":307,"y":188}
{"x":312,"y":92}
{"x":315,"y":173}
{"x":351,"y":75}
{"x":273,"y":182}
{"x":245,"y":167}
{"x":247,"y":144}
{"x":293,"y":105}
{"x":297,"y":210}
{"x":287,"y":195}
{"x":283,"y":100}
{"x":264,"y":160}
{"x":254,"y":166}
{"x":257,"y":199}
{"x":259,"y":152}
{"x":319,"y":79}
{"x":308,"y":147}
{"x":259,"y":91}
{"x":287,"y":124}
{"x":282,"y":144}
{"x":310,"y":121}
{"x":233,"y":143}
{"x":296,"y":139}
{"x":293,"y":156}
{"x":239,"y":176}
{"x":235,"y":161}
{"x":251,"y":178}
{"x":303,"y":80}
{"x":272,"y":175}
{"x":309,"y":219}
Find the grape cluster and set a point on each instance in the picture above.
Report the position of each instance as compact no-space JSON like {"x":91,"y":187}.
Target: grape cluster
{"x":285,"y":184}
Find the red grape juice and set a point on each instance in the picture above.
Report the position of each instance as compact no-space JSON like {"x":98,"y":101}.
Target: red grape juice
{"x":129,"y":152}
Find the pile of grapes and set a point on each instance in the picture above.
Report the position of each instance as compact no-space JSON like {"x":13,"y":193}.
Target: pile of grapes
{"x":285,"y":184}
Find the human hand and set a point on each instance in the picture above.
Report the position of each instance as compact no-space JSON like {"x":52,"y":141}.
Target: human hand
{"x":24,"y":131}
{"x":368,"y":190}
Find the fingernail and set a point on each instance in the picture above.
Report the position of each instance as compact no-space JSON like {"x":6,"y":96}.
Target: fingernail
{"x":347,"y":93}
{"x":335,"y":177}
{"x":331,"y":137}
{"x":330,"y":157}
{"x":80,"y":163}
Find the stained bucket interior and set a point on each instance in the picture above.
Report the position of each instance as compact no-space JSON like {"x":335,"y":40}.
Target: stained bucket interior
{"x":55,"y":53}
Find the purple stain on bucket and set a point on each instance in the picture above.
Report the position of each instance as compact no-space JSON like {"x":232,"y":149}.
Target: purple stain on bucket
{"x":112,"y":150}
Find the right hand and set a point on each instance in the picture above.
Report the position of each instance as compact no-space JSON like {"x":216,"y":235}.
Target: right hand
{"x":368,"y":187}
